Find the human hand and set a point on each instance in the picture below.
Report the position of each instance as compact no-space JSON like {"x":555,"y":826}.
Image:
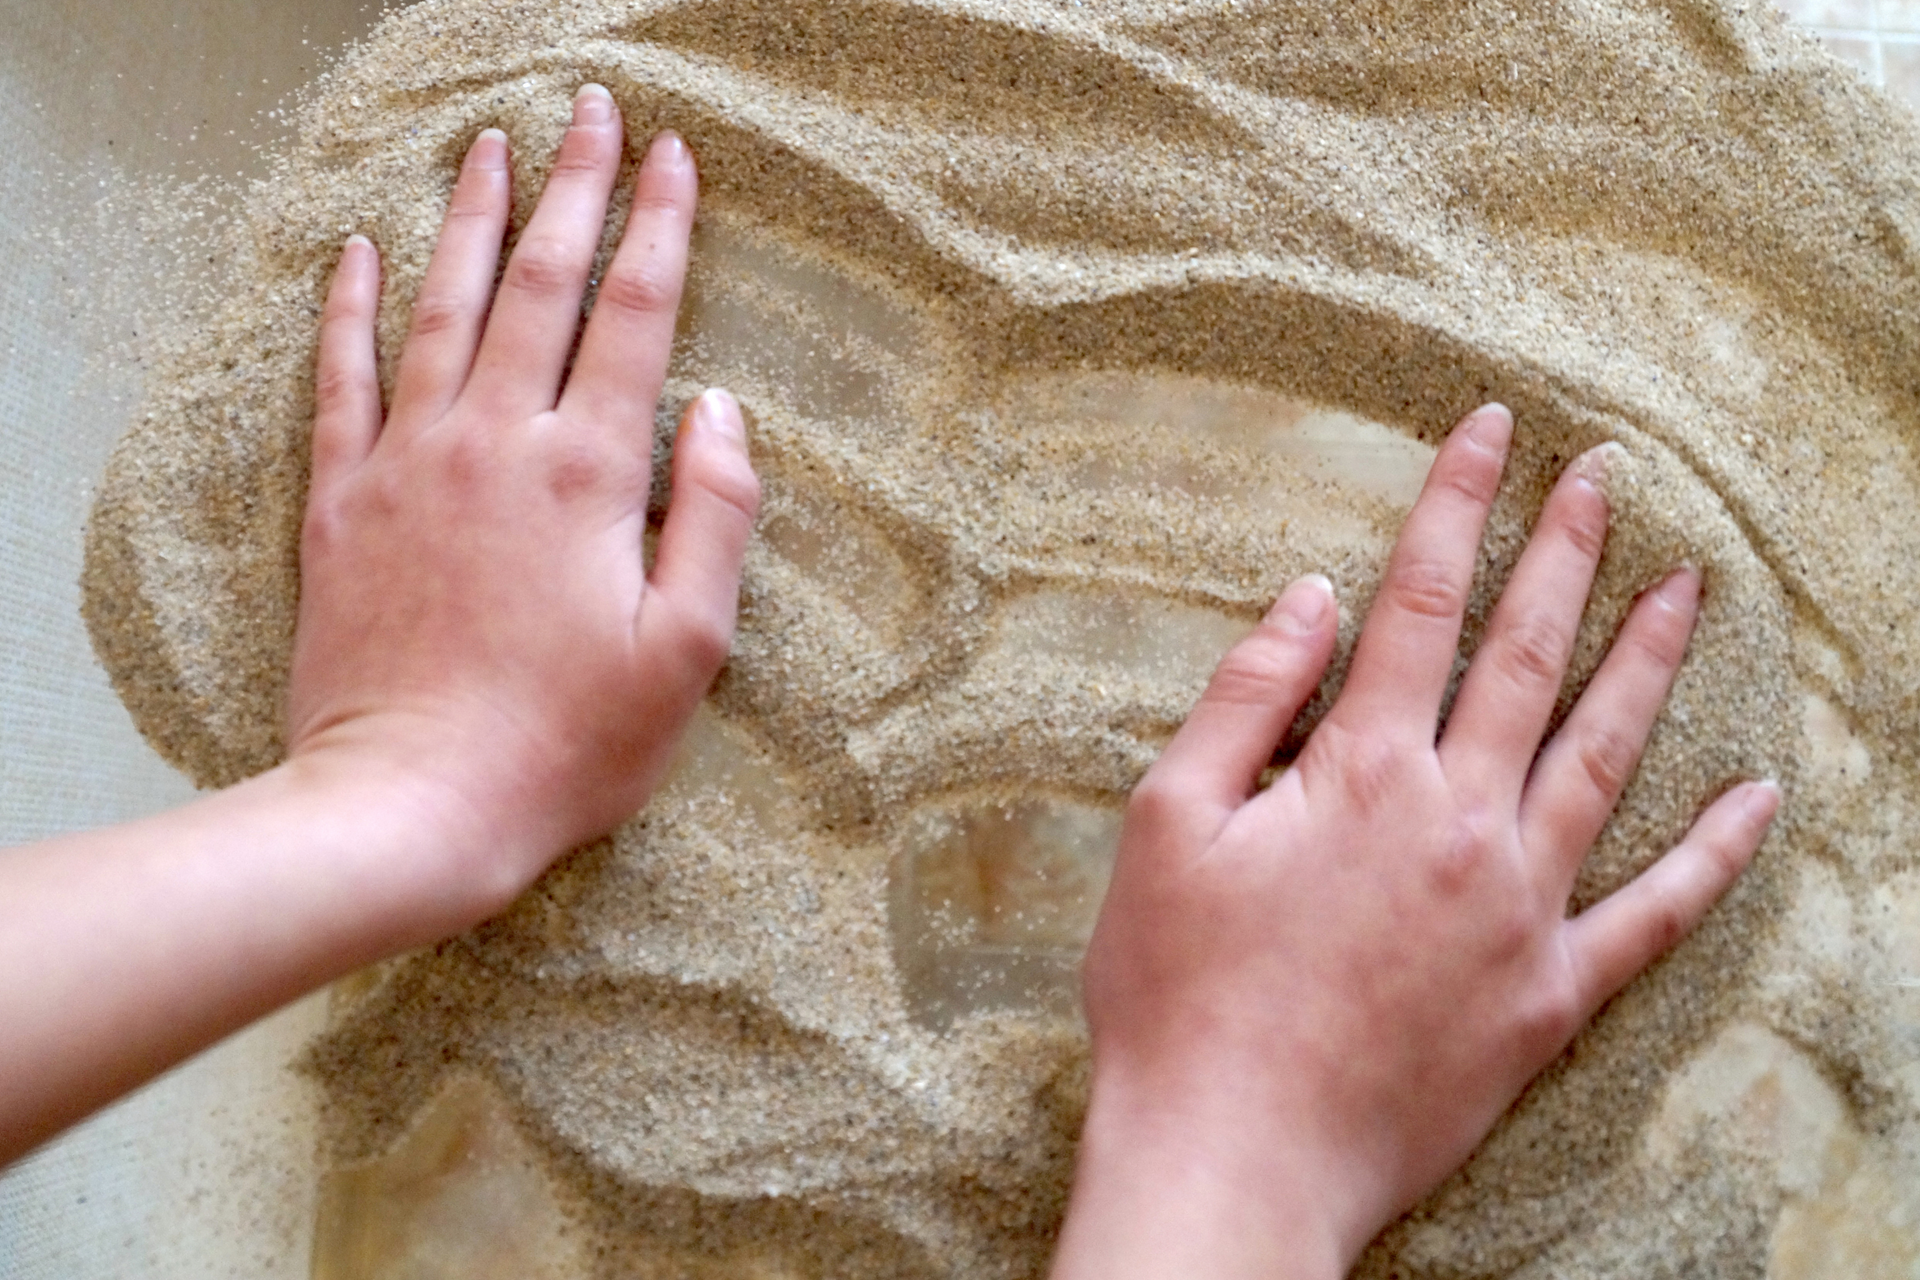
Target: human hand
{"x":484,"y":673}
{"x":1309,"y":1005}
{"x":479,"y":636}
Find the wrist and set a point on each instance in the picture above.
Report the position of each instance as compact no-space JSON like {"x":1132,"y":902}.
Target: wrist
{"x":1179,"y":1182}
{"x":422,"y":858}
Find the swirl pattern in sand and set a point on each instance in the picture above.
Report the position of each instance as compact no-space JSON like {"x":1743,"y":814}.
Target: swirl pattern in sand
{"x":1070,"y":333}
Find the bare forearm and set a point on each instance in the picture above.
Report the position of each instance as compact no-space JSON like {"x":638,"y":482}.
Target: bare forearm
{"x":127,"y":950}
{"x":486,"y":669}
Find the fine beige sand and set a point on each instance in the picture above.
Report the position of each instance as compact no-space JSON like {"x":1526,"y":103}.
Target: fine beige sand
{"x":1070,"y":333}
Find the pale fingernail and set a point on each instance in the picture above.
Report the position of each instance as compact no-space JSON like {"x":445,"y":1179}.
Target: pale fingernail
{"x":490,"y":147}
{"x":1491,"y":425}
{"x":717,"y":411}
{"x":1304,"y":605}
{"x":1594,"y":465}
{"x":594,"y":105}
{"x":1762,"y":800}
{"x":358,"y":241}
{"x":668,"y":148}
{"x":1681,"y":590}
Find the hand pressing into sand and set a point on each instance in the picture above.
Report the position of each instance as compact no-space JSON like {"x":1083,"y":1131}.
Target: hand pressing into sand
{"x":485,"y":671}
{"x":1310,"y":1004}
{"x":477,"y":625}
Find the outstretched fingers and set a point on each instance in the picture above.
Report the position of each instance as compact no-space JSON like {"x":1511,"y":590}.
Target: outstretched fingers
{"x":694,"y":589}
{"x":1406,"y":651}
{"x":1510,"y":690}
{"x":1584,"y":770}
{"x":451,"y":310}
{"x":346,"y":391}
{"x":1221,"y":750}
{"x":617,"y":378}
{"x":1612,"y":942}
{"x":536,"y":314}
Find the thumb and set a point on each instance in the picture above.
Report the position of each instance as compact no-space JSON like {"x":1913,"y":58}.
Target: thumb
{"x":694,"y":593}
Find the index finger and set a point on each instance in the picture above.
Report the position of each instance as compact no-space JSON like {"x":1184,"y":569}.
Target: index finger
{"x":451,"y":311}
{"x":1406,"y":650}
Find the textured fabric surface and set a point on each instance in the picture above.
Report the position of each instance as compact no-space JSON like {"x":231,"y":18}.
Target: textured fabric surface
{"x":209,"y":1171}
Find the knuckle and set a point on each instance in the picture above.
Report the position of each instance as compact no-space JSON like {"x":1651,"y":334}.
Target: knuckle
{"x":1154,"y":804}
{"x":1256,"y":671}
{"x":1662,"y":640}
{"x":1428,"y":588}
{"x":671,"y":199}
{"x":335,"y":390}
{"x":1608,"y":757}
{"x":1367,"y":767}
{"x":728,"y":477}
{"x":468,"y":460}
{"x":474,"y":200}
{"x":1552,"y":1012}
{"x":1512,"y":934}
{"x":1726,"y":860}
{"x":1664,"y":926}
{"x":378,"y":501}
{"x":435,"y":314}
{"x":1586,"y":531}
{"x":1474,"y":476}
{"x":1533,"y":651}
{"x":344,"y":317}
{"x":583,"y":155}
{"x":1459,"y":864}
{"x":580,"y":465}
{"x":323,"y":527}
{"x":646,"y":290}
{"x":542,"y":269}
{"x":706,"y":640}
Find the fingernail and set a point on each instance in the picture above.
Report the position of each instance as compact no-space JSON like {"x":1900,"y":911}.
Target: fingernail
{"x":1762,"y":800}
{"x":1491,"y":425}
{"x":594,"y":105}
{"x":717,"y":411}
{"x":358,"y":241}
{"x":1304,"y":605}
{"x":490,"y":147}
{"x":668,"y":148}
{"x":1594,"y":465}
{"x":1681,"y":589}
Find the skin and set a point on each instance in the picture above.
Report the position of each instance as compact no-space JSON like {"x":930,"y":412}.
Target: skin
{"x":1310,"y":1003}
{"x":1307,"y":1004}
{"x":486,"y":672}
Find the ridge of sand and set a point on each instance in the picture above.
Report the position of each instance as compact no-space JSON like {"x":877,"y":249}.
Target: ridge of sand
{"x":945,"y":245}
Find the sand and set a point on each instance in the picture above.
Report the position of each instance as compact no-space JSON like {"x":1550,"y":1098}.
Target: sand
{"x":1053,"y":322}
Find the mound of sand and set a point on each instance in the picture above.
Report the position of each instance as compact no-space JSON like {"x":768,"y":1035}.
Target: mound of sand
{"x":1070,"y":334}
